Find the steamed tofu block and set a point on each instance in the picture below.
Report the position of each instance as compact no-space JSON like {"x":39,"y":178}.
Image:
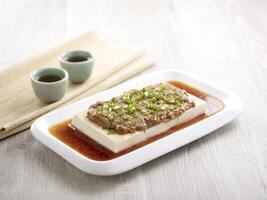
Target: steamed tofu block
{"x":137,"y":115}
{"x":193,"y":112}
{"x":113,"y":142}
{"x":200,"y":107}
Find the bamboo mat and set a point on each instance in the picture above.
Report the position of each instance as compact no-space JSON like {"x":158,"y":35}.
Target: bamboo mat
{"x":113,"y":64}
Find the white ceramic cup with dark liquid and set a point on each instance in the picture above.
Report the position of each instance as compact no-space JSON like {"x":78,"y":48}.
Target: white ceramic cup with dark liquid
{"x":78,"y":63}
{"x":49,"y":84}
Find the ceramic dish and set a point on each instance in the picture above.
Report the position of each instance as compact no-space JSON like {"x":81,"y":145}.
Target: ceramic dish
{"x":233,"y":107}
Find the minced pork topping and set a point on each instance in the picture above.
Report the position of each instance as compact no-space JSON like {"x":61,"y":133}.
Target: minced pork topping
{"x":138,"y":110}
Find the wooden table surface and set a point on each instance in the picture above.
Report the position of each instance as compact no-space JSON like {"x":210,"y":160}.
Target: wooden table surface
{"x":222,"y":41}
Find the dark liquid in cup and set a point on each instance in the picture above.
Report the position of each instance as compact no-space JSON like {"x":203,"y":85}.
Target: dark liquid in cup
{"x":77,"y":59}
{"x":49,"y":78}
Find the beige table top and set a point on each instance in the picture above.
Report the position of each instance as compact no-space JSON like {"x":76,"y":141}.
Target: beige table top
{"x":221,"y":41}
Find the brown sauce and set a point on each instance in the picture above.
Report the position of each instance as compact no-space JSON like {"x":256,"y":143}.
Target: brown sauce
{"x":92,"y":150}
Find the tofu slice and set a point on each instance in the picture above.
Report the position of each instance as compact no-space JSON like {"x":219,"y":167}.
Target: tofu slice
{"x":113,"y":142}
{"x":116,"y":143}
{"x":189,"y":114}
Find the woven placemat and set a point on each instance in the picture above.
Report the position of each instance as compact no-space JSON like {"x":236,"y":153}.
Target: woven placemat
{"x":113,"y":64}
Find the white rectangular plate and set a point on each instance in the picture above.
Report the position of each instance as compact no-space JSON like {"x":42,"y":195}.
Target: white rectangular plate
{"x":233,"y":107}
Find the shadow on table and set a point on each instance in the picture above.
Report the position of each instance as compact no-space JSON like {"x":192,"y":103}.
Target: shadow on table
{"x":59,"y":170}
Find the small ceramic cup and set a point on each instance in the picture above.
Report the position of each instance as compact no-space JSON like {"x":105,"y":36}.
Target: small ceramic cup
{"x":78,"y":63}
{"x":50,"y":84}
